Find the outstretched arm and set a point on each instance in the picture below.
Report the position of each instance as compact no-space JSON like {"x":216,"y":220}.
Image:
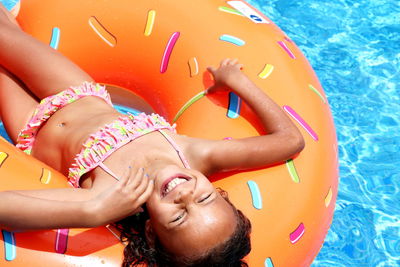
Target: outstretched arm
{"x":282,"y":141}
{"x":72,"y":207}
{"x":22,"y":212}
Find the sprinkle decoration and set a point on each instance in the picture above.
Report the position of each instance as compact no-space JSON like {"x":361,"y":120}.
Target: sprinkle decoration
{"x":255,"y":194}
{"x":317,"y":92}
{"x":234,"y":106}
{"x":193,"y":66}
{"x":287,"y":49}
{"x":268,"y":263}
{"x":268,"y":68}
{"x":151,"y":16}
{"x":3,"y":157}
{"x":302,"y":122}
{"x":230,"y":10}
{"x":297,"y":234}
{"x":55,"y":38}
{"x":193,"y":100}
{"x":46,"y":176}
{"x":9,"y":245}
{"x":292,"y":171}
{"x":232,"y":39}
{"x":168,"y":50}
{"x":61,"y":241}
{"x":102,"y":32}
{"x":328,"y":197}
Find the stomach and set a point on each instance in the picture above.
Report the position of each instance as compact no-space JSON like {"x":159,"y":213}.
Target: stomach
{"x":62,"y":136}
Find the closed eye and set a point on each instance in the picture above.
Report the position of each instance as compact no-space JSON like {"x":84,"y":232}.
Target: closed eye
{"x":205,"y":198}
{"x":179,"y":217}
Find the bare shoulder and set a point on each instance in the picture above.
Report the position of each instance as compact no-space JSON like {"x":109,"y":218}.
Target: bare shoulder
{"x":197,"y":151}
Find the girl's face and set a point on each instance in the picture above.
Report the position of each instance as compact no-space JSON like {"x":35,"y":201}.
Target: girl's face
{"x":187,"y":214}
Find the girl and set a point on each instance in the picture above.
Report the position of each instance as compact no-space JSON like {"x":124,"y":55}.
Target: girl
{"x":75,"y":129}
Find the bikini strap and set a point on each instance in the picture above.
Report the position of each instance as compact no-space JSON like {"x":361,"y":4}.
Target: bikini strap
{"x":176,"y":147}
{"x":169,"y":139}
{"x":108,"y":170}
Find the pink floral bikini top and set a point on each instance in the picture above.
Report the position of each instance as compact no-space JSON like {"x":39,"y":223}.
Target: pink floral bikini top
{"x":111,"y":137}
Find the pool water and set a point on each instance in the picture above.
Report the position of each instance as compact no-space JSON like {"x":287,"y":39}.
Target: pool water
{"x":354,"y":47}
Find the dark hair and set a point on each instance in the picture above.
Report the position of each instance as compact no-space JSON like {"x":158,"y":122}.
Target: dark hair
{"x":228,"y":254}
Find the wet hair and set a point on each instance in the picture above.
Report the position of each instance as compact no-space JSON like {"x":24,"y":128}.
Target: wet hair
{"x":138,"y":252}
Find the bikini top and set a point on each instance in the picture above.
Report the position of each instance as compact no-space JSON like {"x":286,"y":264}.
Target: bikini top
{"x":101,"y":144}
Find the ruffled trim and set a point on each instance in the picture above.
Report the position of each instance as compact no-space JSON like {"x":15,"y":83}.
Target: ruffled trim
{"x":111,"y":137}
{"x":49,"y":105}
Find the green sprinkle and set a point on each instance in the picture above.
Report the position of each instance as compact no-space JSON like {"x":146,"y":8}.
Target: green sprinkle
{"x":292,"y":171}
{"x":188,"y":104}
{"x":229,"y":10}
{"x":317,"y":92}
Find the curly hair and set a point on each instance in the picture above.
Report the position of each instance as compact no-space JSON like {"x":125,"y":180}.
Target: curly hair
{"x":138,"y":252}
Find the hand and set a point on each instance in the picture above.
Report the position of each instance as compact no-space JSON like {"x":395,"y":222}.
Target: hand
{"x":227,"y":74}
{"x":124,"y":198}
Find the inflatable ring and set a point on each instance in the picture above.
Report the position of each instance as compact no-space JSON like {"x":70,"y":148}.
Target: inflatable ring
{"x":159,"y":50}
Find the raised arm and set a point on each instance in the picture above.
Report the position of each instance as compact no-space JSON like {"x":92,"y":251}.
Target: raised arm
{"x":282,"y":141}
{"x":72,"y":207}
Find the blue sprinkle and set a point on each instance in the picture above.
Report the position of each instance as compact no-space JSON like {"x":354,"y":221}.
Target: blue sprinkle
{"x":255,"y":194}
{"x":55,"y":38}
{"x":268,"y":263}
{"x":9,"y":245}
{"x":232,"y":39}
{"x":234,"y":106}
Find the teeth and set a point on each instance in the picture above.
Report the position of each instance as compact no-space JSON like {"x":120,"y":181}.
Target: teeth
{"x":171,"y":185}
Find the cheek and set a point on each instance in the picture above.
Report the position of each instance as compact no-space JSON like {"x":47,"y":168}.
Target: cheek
{"x":157,"y":211}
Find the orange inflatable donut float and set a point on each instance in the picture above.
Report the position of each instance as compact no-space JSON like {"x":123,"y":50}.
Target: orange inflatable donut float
{"x":159,"y":50}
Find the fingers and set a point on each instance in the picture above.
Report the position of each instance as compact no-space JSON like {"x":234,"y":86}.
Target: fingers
{"x":148,"y":189}
{"x":138,"y":183}
{"x":229,"y":62}
{"x":123,"y":180}
{"x":226,"y":62}
{"x":136,"y":179}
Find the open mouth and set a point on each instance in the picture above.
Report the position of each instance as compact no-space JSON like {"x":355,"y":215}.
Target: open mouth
{"x":171,"y":183}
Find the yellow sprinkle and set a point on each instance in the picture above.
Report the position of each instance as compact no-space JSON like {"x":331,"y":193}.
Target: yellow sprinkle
{"x":3,"y":157}
{"x":151,"y":15}
{"x":45,"y":177}
{"x":328,"y":197}
{"x":266,"y":71}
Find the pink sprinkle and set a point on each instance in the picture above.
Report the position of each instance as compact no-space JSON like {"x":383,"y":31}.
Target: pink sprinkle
{"x":228,"y":138}
{"x":297,"y":234}
{"x":302,"y":122}
{"x":62,"y":240}
{"x":168,"y":50}
{"x":284,"y":46}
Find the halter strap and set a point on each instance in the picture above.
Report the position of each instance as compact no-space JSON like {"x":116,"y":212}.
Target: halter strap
{"x":169,"y":139}
{"x":109,"y":171}
{"x":176,"y":147}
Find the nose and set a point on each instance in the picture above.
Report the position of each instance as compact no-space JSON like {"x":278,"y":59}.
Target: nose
{"x":184,"y":195}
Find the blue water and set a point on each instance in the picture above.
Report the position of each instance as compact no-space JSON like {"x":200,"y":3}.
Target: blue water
{"x":354,"y":48}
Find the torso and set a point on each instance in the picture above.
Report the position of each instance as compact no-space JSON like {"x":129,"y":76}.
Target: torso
{"x":62,"y":136}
